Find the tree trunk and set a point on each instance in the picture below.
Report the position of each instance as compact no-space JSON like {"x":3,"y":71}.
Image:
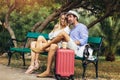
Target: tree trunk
{"x":12,"y":34}
{"x":110,"y":57}
{"x":7,"y":25}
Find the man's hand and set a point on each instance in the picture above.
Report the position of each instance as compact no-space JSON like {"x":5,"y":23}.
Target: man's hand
{"x":77,"y":42}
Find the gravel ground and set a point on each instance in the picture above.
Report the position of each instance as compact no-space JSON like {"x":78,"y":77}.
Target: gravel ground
{"x":8,"y":73}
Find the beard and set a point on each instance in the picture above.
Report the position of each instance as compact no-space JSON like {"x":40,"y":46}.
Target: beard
{"x":70,"y":22}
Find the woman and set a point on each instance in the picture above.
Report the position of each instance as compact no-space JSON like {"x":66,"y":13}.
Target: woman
{"x":36,"y":45}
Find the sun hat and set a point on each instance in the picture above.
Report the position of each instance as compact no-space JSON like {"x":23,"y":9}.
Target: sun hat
{"x":74,"y":13}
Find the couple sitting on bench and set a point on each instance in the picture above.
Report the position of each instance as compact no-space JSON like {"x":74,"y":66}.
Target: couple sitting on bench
{"x":75,"y":38}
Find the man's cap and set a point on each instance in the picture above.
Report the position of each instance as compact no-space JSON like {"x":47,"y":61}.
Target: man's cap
{"x":73,"y":13}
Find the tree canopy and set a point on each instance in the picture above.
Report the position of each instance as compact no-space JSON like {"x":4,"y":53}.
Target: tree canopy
{"x":100,"y":8}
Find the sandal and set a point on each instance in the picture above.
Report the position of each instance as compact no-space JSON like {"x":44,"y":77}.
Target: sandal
{"x":30,"y":70}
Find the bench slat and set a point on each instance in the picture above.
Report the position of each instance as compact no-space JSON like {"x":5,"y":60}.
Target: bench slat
{"x":94,"y":40}
{"x":25,"y":50}
{"x":79,"y":58}
{"x":35,"y":35}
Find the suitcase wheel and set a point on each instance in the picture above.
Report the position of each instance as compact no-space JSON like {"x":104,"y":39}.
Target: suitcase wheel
{"x":58,"y":77}
{"x":71,"y":77}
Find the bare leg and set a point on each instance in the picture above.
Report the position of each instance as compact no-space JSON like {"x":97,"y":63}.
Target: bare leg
{"x":37,"y":62}
{"x":62,"y":36}
{"x":51,"y":54}
{"x":40,"y":41}
{"x":33,"y":54}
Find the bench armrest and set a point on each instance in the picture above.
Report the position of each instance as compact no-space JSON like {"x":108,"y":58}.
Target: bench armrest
{"x":19,"y":40}
{"x":10,"y":44}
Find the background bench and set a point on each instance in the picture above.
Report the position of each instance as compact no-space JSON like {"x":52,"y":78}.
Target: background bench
{"x":95,"y":43}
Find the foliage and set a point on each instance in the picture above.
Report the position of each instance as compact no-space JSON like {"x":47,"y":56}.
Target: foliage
{"x":4,"y":37}
{"x":110,"y":30}
{"x":22,"y":20}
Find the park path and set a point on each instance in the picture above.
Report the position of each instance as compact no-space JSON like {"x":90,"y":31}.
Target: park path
{"x":8,"y":73}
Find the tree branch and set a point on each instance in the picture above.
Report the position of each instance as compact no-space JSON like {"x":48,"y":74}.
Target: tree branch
{"x":99,"y":20}
{"x":68,"y":6}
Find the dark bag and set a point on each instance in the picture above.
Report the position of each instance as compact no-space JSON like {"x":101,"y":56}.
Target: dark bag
{"x":86,"y":52}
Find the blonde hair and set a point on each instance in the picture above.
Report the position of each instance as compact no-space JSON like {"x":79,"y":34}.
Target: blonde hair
{"x":66,"y":22}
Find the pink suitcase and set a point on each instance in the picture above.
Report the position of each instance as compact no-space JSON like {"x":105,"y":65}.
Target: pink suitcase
{"x":64,"y":64}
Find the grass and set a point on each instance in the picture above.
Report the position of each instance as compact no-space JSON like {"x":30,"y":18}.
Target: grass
{"x":107,"y":70}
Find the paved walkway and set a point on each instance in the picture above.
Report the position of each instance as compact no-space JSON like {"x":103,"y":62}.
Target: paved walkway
{"x":8,"y":73}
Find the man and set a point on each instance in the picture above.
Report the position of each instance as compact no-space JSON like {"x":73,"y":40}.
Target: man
{"x":77,"y":38}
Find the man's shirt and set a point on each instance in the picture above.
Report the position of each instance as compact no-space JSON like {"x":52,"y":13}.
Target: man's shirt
{"x":79,"y":33}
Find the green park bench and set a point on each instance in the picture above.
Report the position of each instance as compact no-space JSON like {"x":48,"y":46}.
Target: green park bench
{"x":95,"y":43}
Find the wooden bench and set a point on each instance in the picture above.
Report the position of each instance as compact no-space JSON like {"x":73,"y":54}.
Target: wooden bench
{"x":95,"y":42}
